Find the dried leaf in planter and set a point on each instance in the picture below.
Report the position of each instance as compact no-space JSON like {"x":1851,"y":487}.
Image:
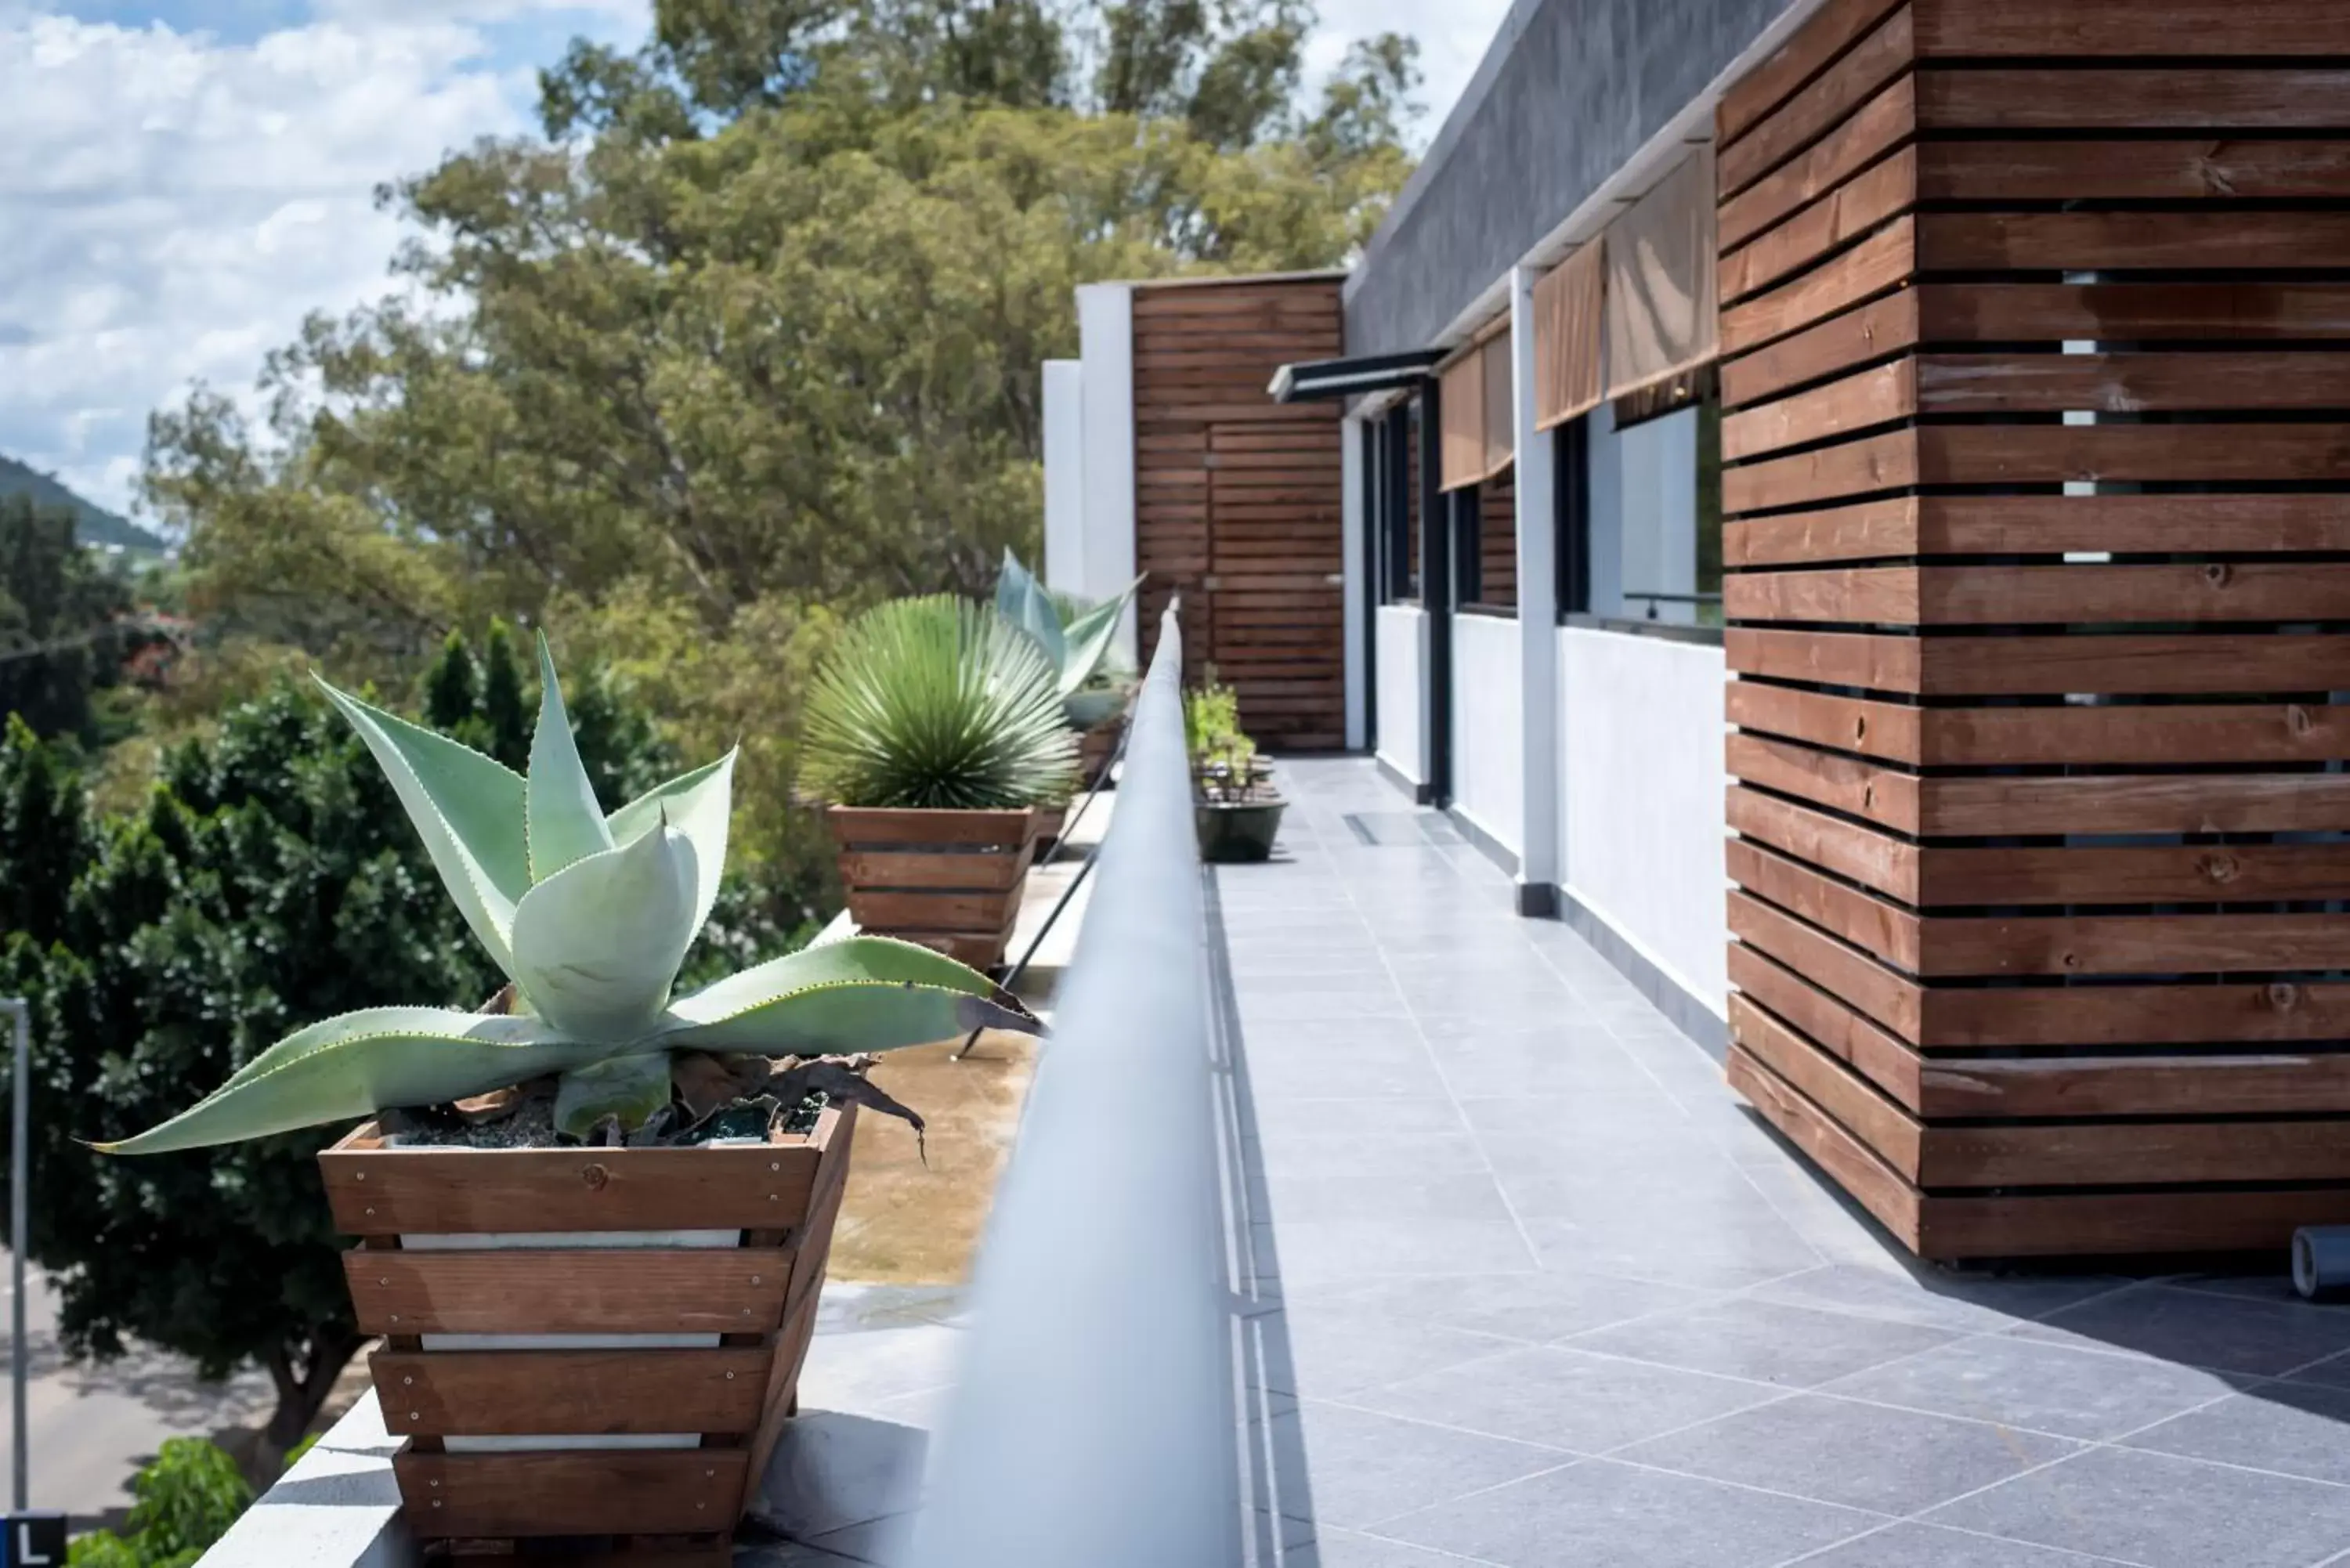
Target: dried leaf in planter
{"x":476,"y":1110}
{"x":839,"y":1078}
{"x":708,"y":1083}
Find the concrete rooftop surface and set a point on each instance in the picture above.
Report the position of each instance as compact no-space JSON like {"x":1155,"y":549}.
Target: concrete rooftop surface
{"x":1519,"y":1283}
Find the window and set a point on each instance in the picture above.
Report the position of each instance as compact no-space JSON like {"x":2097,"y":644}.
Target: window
{"x":1393,"y":476}
{"x":1640,"y":507}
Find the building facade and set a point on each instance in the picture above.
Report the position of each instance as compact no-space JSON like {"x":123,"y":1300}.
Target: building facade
{"x":1846,"y":501}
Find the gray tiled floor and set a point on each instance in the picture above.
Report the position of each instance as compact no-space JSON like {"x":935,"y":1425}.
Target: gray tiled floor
{"x":1544,"y":1294}
{"x":1521,"y":1284}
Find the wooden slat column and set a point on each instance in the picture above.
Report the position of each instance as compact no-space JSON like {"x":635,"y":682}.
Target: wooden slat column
{"x":2036,"y":378}
{"x":1237,"y":497}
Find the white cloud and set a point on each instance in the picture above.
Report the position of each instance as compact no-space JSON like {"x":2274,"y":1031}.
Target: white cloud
{"x":171,"y":205}
{"x":1452,"y":36}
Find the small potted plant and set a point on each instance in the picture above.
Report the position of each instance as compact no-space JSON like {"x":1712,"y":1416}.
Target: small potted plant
{"x":933,"y":731}
{"x":593,"y":1216}
{"x":1236,"y":808}
{"x":1080,"y":638}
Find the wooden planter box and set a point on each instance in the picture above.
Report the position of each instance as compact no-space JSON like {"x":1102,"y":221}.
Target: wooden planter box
{"x":1095,"y":746}
{"x":947,"y":880}
{"x":588,"y":1342}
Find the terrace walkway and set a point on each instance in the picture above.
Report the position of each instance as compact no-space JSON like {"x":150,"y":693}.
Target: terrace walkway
{"x":1526,"y":1287}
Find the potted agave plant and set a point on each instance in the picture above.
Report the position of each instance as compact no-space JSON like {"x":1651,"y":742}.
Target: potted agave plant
{"x":1080,"y":638}
{"x":932,"y":731}
{"x":593,"y":1216}
{"x":1233,"y":803}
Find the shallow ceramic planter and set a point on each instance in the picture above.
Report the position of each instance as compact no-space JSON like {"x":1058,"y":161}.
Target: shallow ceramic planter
{"x":947,"y":879}
{"x":1236,"y":832}
{"x":588,"y":1342}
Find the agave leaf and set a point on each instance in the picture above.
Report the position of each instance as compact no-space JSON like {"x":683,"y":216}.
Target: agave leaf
{"x":698,"y":805}
{"x":564,"y":824}
{"x":1012,"y":585}
{"x":860,"y":993}
{"x":598,"y":944}
{"x":358,"y":1063}
{"x":467,"y":807}
{"x":629,"y":1090}
{"x":1026,"y":605}
{"x":1088,"y":639}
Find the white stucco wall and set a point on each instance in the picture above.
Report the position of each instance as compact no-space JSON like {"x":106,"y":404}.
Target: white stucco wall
{"x":1106,"y":344}
{"x":1641,"y":745}
{"x":1402,"y":631}
{"x":1487,"y":777}
{"x":1064,"y":565}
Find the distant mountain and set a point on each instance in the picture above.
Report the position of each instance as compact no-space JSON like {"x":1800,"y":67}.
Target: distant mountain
{"x":93,"y":524}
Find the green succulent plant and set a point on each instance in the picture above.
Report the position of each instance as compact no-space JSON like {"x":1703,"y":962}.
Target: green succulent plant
{"x":935,"y":702}
{"x":589,"y":915}
{"x":1077,"y":636}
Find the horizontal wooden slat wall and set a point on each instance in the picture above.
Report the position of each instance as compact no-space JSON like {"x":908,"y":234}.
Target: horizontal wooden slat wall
{"x":1237,"y":497}
{"x":1497,"y":539}
{"x":2036,"y":443}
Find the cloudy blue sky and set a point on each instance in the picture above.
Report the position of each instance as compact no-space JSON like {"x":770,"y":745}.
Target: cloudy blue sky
{"x":182,"y":181}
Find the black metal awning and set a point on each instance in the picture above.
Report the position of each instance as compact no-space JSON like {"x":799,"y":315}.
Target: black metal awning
{"x":1309,"y":380}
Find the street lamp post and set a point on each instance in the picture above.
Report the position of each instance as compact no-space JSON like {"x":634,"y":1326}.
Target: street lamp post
{"x":19,"y":1177}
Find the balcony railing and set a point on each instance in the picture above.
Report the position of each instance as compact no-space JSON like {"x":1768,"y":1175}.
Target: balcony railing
{"x":1093,"y":1419}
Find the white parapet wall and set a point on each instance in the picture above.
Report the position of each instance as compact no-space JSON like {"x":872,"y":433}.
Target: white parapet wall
{"x":1064,"y":565}
{"x":1642,"y":770}
{"x":1402,"y":632}
{"x":1488,"y":772}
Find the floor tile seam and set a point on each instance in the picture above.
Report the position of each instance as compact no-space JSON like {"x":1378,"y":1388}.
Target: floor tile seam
{"x":1526,"y":1238}
{"x":1877,"y":1513}
{"x":1820,"y":1552}
{"x":2124,"y":1353}
{"x":1417,"y":1546}
{"x":1387,"y":1520}
{"x":1348,"y":1403}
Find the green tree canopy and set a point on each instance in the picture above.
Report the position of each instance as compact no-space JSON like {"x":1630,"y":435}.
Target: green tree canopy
{"x":62,"y":627}
{"x":751,"y":337}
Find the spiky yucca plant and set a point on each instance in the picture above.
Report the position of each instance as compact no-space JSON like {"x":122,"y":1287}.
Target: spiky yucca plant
{"x":1076,"y":636}
{"x":939,"y":703}
{"x":589,"y":915}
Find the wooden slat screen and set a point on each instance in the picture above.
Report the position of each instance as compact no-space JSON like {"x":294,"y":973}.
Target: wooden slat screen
{"x":1497,"y":539}
{"x":1461,"y":395}
{"x":1570,"y":336}
{"x":2041,"y":859}
{"x":1660,"y":307}
{"x":1237,"y":497}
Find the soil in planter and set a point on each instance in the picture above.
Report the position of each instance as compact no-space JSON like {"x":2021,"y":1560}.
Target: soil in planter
{"x":531,"y":1124}
{"x":739,"y":1096}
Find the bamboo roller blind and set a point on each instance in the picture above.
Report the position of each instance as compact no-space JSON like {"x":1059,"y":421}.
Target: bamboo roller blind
{"x":1661,"y":307}
{"x":1568,"y":337}
{"x":1475,"y":391}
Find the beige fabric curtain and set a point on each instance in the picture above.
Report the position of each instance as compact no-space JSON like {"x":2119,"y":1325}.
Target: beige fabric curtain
{"x":1662,"y":312}
{"x":1460,"y":394}
{"x":1501,"y":404}
{"x":1569,"y":335}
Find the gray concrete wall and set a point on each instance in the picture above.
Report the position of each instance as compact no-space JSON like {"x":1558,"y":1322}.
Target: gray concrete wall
{"x":1567,"y":92}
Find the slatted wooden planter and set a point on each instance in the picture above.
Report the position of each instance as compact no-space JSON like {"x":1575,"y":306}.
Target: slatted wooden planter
{"x":1096,"y":746}
{"x":947,"y":879}
{"x":588,"y":1342}
{"x":2036,"y":416}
